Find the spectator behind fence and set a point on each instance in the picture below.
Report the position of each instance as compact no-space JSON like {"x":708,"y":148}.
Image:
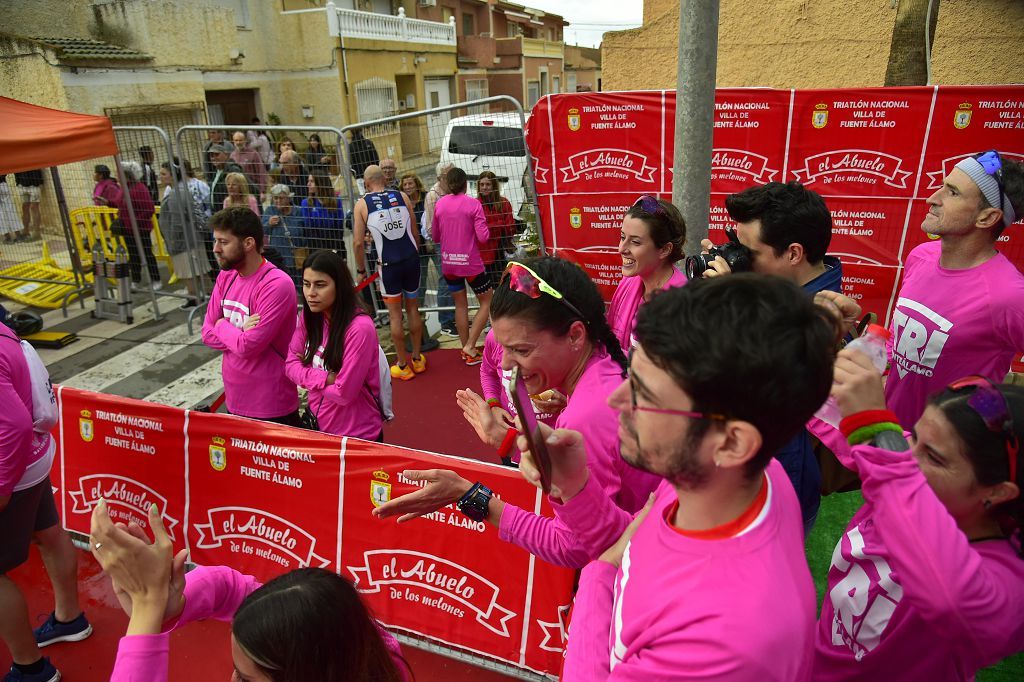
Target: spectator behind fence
{"x":284,"y":144}
{"x":284,"y":226}
{"x":460,"y":228}
{"x":150,"y":176}
{"x":29,"y":185}
{"x":324,"y":217}
{"x":934,"y":554}
{"x":251,"y":162}
{"x":238,"y":193}
{"x":960,"y":309}
{"x":446,"y":317}
{"x":28,"y":513}
{"x":213,"y":138}
{"x":142,"y":205}
{"x":361,"y":153}
{"x":334,"y":352}
{"x":307,"y":624}
{"x":386,"y":215}
{"x":183,"y":242}
{"x":220,"y":158}
{"x":390,"y":170}
{"x":10,"y":222}
{"x":250,"y":317}
{"x":106,"y":188}
{"x":315,"y":152}
{"x":293,"y":174}
{"x":500,"y":223}
{"x":260,"y":142}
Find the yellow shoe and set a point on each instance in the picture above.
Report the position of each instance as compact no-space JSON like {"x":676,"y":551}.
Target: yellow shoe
{"x":402,"y":373}
{"x":419,"y":366}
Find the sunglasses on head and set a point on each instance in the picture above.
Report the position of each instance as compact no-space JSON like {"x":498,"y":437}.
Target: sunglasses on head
{"x":648,"y":204}
{"x":993,"y":165}
{"x":526,"y":281}
{"x":989,"y":404}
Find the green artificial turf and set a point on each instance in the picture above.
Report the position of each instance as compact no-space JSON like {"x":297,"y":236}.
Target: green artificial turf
{"x":836,"y":511}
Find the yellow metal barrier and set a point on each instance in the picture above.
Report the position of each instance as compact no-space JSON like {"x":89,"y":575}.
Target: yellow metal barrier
{"x":48,"y":294}
{"x":92,"y":223}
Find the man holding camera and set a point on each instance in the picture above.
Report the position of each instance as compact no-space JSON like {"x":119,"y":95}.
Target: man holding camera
{"x":784,"y":230}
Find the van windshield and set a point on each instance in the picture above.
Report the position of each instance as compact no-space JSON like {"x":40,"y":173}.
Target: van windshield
{"x":486,"y":141}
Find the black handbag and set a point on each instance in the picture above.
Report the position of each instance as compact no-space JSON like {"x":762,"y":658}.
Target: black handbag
{"x":308,"y":419}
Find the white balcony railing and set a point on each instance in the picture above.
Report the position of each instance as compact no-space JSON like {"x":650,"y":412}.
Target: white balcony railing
{"x":348,"y":23}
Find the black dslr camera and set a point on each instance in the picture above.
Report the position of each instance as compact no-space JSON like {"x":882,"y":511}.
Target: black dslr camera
{"x":735,"y":254}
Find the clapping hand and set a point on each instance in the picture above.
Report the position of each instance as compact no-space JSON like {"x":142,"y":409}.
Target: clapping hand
{"x":485,"y":421}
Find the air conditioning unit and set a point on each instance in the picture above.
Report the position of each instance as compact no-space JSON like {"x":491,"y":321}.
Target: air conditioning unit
{"x":428,"y":3}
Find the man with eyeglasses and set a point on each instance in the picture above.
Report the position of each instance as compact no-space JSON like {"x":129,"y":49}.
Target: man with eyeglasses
{"x":960,"y":309}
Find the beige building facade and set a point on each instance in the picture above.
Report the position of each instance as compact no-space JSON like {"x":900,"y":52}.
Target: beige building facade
{"x":821,"y":44}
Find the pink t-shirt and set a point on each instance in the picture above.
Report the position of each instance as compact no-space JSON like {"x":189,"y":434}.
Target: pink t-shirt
{"x":460,"y":227}
{"x":210,"y":592}
{"x":626,"y":303}
{"x":948,"y":324}
{"x":680,"y":608}
{"x":348,"y":406}
{"x":495,"y":383}
{"x":17,"y":448}
{"x":587,"y":412}
{"x":909,"y":598}
{"x":251,"y":202}
{"x":253,"y":369}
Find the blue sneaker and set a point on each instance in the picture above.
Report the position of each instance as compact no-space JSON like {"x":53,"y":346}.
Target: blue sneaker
{"x":48,"y":674}
{"x":52,"y":632}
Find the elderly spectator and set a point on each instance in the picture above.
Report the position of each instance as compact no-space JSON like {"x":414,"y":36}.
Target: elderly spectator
{"x":139,"y":233}
{"x":390,"y":169}
{"x":202,"y":210}
{"x":283,"y":226}
{"x":182,"y":240}
{"x":213,"y":137}
{"x":250,"y":161}
{"x":293,"y":174}
{"x":239,"y":194}
{"x":106,"y":187}
{"x":220,"y":158}
{"x":323,"y":215}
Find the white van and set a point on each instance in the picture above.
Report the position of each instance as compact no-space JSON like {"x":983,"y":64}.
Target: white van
{"x":493,"y":142}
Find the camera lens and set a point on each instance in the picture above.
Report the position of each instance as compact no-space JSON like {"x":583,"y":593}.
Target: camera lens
{"x":696,"y":265}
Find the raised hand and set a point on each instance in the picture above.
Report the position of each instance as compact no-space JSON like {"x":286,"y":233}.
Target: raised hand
{"x":443,"y":487}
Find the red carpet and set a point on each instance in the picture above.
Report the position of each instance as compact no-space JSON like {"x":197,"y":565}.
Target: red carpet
{"x":427,"y":418}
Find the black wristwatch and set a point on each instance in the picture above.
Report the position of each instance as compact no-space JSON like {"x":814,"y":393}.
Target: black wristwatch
{"x":475,"y":502}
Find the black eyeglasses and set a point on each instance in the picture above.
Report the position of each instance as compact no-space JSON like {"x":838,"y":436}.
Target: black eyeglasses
{"x":993,"y":165}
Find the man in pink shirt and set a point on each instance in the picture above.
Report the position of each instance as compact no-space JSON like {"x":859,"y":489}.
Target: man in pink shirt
{"x":709,"y":581}
{"x":251,"y":317}
{"x":960,"y":309}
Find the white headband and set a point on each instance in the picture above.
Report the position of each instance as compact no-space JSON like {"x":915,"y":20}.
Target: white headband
{"x":989,"y":187}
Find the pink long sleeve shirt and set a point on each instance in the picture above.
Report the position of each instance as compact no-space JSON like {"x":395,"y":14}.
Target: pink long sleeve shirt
{"x":680,"y":608}
{"x":255,"y":384}
{"x":348,"y":406}
{"x":950,"y":323}
{"x":210,"y":592}
{"x":17,"y":447}
{"x":587,"y":412}
{"x":909,"y":597}
{"x":626,"y":303}
{"x":460,"y":227}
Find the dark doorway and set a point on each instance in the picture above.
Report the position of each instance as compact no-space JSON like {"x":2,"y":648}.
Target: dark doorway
{"x":231,"y":107}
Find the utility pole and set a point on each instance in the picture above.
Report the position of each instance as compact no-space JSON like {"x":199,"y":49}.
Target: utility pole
{"x":695,"y":113}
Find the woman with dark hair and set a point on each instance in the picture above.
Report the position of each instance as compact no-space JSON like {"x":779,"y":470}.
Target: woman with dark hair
{"x":500,"y":223}
{"x":927,"y":583}
{"x":650,"y":242}
{"x":106,"y":189}
{"x":315,"y":151}
{"x":308,"y":624}
{"x":334,"y":353}
{"x":548,"y":320}
{"x":143,"y":209}
{"x":325,"y":220}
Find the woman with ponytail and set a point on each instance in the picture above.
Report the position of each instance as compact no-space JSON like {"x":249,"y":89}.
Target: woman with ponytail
{"x":334,"y":352}
{"x":927,"y":583}
{"x":547,"y":317}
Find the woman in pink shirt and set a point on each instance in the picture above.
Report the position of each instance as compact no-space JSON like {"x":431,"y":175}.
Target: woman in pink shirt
{"x":334,"y":353}
{"x":238,"y":193}
{"x":308,"y":624}
{"x":927,"y":583}
{"x":650,"y":242}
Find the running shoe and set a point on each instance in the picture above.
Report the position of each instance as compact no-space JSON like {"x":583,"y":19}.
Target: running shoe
{"x":47,"y":674}
{"x":450,"y":331}
{"x":419,"y":366}
{"x":52,"y":632}
{"x":471,"y":360}
{"x":402,"y":373}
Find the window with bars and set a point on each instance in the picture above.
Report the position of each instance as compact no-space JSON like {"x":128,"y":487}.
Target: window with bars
{"x":476,"y":89}
{"x":376,"y":98}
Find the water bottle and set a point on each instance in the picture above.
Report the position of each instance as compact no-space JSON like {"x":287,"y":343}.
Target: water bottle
{"x":871,"y":344}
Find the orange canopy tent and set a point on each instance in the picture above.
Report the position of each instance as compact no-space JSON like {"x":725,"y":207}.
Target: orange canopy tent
{"x":36,"y":137}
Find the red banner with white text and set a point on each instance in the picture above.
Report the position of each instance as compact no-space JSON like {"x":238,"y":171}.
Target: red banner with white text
{"x":266,"y":499}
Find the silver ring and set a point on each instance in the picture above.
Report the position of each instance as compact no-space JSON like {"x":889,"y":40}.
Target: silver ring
{"x":97,"y":545}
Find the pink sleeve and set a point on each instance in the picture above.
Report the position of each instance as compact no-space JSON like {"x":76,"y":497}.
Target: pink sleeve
{"x":587,"y":656}
{"x":833,"y":439}
{"x":226,"y":200}
{"x":299,"y":374}
{"x":593,"y":518}
{"x":434,"y":220}
{"x":254,"y":204}
{"x":483,"y":233}
{"x":274,"y":302}
{"x":214,"y":312}
{"x":142,"y":658}
{"x":942,"y":574}
{"x":360,"y":355}
{"x":15,"y":434}
{"x":395,"y":650}
{"x":490,"y":369}
{"x":546,"y":538}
